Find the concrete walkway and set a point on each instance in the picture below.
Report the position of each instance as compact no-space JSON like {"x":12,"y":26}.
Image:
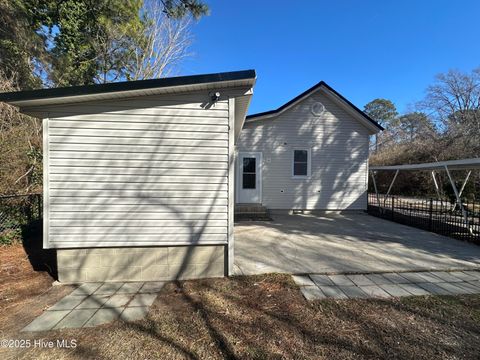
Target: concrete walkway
{"x":94,"y":304}
{"x":351,"y":243}
{"x":315,"y":287}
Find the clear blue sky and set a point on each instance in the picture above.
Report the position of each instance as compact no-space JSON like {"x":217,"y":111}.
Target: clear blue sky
{"x":364,"y":49}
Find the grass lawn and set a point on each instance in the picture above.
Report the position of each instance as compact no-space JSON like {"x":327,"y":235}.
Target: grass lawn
{"x":259,"y":317}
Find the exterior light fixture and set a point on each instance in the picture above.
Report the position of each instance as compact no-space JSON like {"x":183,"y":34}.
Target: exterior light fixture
{"x":214,"y":96}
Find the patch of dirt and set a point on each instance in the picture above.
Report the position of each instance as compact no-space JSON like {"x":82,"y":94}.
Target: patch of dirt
{"x":266,"y":317}
{"x":24,"y":293}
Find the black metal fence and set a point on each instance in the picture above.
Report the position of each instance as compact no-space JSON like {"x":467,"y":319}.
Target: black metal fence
{"x":16,"y":212}
{"x":439,"y":216}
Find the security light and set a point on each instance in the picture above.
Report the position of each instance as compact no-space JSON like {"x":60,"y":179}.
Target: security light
{"x":214,"y":96}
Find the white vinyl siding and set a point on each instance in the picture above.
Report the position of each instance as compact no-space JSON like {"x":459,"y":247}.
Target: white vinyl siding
{"x":137,"y":172}
{"x":338,"y":150}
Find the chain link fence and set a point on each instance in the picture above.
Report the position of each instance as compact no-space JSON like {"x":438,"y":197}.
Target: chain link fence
{"x":17,"y":212}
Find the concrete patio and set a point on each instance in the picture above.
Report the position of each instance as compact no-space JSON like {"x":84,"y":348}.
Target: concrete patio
{"x":93,"y":304}
{"x":364,"y":286}
{"x":344,"y":243}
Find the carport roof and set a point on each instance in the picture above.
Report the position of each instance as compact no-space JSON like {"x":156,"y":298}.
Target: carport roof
{"x":463,"y":164}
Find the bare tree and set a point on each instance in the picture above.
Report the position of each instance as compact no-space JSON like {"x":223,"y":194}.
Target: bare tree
{"x":167,"y":42}
{"x":9,"y":115}
{"x":454,"y":99}
{"x":152,"y":50}
{"x":20,"y":145}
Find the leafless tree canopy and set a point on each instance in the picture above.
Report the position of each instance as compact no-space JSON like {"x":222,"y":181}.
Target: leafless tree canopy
{"x":20,"y":146}
{"x":167,"y":42}
{"x":9,"y":115}
{"x":447,"y":127}
{"x":153,"y":52}
{"x":454,"y":100}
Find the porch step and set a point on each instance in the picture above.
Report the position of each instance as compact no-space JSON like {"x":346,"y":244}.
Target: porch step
{"x":252,"y":212}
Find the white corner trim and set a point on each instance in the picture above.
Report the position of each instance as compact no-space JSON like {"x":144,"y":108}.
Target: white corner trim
{"x":46,"y":197}
{"x":231,"y":186}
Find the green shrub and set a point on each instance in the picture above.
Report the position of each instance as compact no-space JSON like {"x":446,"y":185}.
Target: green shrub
{"x":10,"y":236}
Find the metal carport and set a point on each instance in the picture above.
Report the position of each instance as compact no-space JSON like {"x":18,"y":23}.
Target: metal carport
{"x":447,"y":166}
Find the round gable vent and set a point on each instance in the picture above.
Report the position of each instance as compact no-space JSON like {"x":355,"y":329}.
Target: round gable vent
{"x":317,"y":108}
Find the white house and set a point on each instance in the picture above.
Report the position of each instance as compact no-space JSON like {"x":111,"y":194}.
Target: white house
{"x":311,"y":154}
{"x":139,"y":177}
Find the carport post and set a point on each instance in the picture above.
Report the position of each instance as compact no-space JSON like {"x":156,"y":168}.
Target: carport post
{"x":375,"y":187}
{"x":436,"y":184}
{"x":390,"y":187}
{"x":464,"y":213}
{"x":462,"y":188}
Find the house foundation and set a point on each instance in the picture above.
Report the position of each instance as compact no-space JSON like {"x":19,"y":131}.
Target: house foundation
{"x":140,"y":263}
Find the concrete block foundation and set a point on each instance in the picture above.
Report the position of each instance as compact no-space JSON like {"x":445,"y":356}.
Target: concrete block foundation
{"x":140,"y":263}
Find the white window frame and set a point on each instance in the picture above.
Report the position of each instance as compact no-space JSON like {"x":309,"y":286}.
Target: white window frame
{"x":309,"y":163}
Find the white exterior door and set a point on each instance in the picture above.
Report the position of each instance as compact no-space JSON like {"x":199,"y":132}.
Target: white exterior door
{"x":249,"y":178}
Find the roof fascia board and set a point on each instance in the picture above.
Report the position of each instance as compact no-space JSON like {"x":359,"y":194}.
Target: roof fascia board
{"x":14,"y":98}
{"x":348,"y":108}
{"x":174,"y":90}
{"x":43,"y":110}
{"x":287,"y":106}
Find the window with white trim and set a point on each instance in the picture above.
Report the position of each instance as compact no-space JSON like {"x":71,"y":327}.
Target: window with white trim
{"x":301,"y":163}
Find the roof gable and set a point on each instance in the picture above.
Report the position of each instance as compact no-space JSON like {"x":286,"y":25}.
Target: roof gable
{"x":341,"y":100}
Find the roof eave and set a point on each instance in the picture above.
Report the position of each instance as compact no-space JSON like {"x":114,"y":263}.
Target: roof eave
{"x":42,"y":97}
{"x":241,"y":107}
